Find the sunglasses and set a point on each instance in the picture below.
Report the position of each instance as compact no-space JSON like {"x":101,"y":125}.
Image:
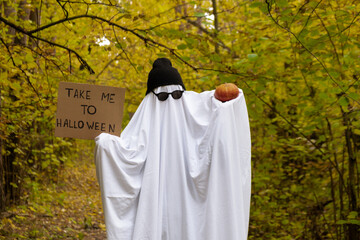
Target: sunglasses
{"x":162,"y":96}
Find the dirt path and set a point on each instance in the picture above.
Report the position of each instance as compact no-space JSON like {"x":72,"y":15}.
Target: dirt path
{"x":69,"y":209}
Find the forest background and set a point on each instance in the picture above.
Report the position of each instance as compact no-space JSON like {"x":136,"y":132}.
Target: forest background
{"x":297,"y":61}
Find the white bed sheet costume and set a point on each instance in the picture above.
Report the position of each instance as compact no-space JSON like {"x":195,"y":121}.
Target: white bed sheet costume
{"x":181,"y":170}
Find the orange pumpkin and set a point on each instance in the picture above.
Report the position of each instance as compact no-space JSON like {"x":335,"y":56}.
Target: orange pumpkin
{"x":226,"y":92}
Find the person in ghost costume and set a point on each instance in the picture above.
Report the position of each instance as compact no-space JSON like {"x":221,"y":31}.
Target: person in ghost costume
{"x":181,"y":168}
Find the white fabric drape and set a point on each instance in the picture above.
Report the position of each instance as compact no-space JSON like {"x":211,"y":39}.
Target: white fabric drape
{"x":180,"y":170}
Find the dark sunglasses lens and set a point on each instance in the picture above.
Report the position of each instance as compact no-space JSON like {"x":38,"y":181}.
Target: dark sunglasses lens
{"x":176,"y":94}
{"x":162,"y":96}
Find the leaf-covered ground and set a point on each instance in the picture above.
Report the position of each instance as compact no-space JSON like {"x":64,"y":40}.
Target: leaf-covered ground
{"x":69,"y":209}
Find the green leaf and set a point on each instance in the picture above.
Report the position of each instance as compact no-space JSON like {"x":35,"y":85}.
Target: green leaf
{"x":356,"y":131}
{"x":351,"y":221}
{"x":45,"y":163}
{"x":344,"y":101}
{"x":352,"y":215}
{"x":199,"y":14}
{"x":324,"y":96}
{"x":263,"y":38}
{"x":185,"y":58}
{"x":282,"y":3}
{"x":161,"y":54}
{"x":118,"y":45}
{"x":252,"y":56}
{"x":215,"y":57}
{"x":286,"y":12}
{"x":29,"y":57}
{"x":354,"y":95}
{"x":182,"y":46}
{"x":256,"y":4}
{"x":334,"y":73}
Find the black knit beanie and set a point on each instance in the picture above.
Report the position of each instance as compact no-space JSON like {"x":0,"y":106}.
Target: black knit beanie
{"x":163,"y":74}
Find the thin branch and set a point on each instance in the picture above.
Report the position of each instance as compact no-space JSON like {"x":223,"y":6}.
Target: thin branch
{"x":90,"y":3}
{"x":45,"y":57}
{"x":66,"y":13}
{"x":30,"y":34}
{"x":320,"y":207}
{"x":22,"y":70}
{"x":82,"y":16}
{"x":133,"y":31}
{"x":146,"y":40}
{"x":308,"y":50}
{"x":7,"y":48}
{"x":108,"y":64}
{"x":70,"y":67}
{"x":350,"y":86}
{"x":352,"y":22}
{"x":126,"y":55}
{"x":212,"y":35}
{"x":299,"y":10}
{"x":341,"y":175}
{"x":161,"y":24}
{"x":330,"y":38}
{"x":308,"y":19}
{"x":110,"y":19}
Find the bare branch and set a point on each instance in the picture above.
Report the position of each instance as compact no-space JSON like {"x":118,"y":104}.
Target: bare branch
{"x":213,"y":35}
{"x":297,"y":13}
{"x":146,"y":40}
{"x":330,"y":38}
{"x":126,"y":55}
{"x":307,"y":20}
{"x":161,"y":24}
{"x":352,"y":22}
{"x":22,"y":70}
{"x":66,"y":13}
{"x":90,"y":3}
{"x":45,"y":57}
{"x":108,"y":64}
{"x":308,"y":50}
{"x":30,"y":34}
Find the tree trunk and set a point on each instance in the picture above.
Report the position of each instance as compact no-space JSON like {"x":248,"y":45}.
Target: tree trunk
{"x":216,"y":24}
{"x":24,"y":15}
{"x":2,"y":179}
{"x":353,"y":229}
{"x":8,"y":12}
{"x":36,"y":18}
{"x":10,"y":172}
{"x":351,"y":150}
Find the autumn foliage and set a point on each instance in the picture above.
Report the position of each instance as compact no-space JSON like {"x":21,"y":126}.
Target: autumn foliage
{"x":296,"y":61}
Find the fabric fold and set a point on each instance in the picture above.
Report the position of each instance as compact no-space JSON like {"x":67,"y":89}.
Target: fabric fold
{"x":181,"y":169}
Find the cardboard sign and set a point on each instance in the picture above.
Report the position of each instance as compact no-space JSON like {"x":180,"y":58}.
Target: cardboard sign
{"x":84,"y":111}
